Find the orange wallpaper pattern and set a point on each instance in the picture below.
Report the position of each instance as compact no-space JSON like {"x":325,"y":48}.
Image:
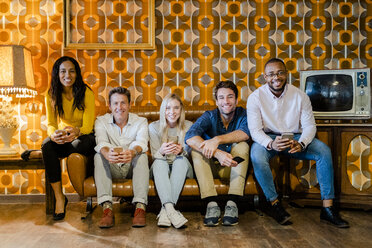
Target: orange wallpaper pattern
{"x":359,"y":169}
{"x":197,"y":44}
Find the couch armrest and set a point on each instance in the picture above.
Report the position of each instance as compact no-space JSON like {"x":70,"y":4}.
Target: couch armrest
{"x":77,"y":171}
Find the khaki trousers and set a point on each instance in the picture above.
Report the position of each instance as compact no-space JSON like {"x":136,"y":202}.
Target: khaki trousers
{"x":206,"y":170}
{"x":138,"y":170}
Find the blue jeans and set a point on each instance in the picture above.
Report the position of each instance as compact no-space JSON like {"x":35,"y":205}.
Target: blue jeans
{"x":316,"y":150}
{"x":169,"y":179}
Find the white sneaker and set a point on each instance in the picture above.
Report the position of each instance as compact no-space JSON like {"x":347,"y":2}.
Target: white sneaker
{"x":163,"y":219}
{"x":177,"y":219}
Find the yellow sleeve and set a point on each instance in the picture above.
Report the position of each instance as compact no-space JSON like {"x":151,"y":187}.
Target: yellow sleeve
{"x":89,"y":115}
{"x":51,"y":116}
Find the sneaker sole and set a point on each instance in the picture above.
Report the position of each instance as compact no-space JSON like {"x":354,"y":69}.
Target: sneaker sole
{"x":181,"y":224}
{"x":230,"y":224}
{"x":331,"y":224}
{"x":212,"y":225}
{"x":285,"y":220}
{"x":164,"y":224}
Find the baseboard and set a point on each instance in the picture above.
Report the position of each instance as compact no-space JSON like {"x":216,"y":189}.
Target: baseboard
{"x":39,"y":198}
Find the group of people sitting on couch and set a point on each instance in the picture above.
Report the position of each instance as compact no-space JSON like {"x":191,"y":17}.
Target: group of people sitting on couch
{"x":216,"y":144}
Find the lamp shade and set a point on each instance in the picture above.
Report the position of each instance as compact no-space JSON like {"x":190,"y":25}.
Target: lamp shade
{"x":16,"y":72}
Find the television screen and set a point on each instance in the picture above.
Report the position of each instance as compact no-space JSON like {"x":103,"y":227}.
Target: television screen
{"x":330,"y":92}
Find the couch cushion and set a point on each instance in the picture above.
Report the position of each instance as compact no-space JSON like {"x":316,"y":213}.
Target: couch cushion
{"x":123,"y":187}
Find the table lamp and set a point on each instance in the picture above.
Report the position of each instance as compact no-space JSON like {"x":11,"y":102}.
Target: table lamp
{"x":16,"y":80}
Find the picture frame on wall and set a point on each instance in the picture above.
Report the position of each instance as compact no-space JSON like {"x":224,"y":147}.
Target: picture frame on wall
{"x":109,"y":24}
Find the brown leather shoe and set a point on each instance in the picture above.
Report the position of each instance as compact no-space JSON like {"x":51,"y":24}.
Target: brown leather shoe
{"x":107,"y":219}
{"x":139,"y":219}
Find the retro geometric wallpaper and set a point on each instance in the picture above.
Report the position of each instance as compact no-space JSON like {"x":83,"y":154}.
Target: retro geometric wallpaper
{"x":359,"y":169}
{"x":198,"y":43}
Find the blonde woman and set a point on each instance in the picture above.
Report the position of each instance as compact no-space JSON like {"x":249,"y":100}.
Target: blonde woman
{"x":170,"y":154}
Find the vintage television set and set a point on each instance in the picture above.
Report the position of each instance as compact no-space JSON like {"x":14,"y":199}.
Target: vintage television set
{"x":338,"y":94}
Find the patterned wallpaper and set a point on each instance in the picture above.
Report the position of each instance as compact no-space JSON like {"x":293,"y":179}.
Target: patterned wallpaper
{"x":198,"y":43}
{"x":359,"y":169}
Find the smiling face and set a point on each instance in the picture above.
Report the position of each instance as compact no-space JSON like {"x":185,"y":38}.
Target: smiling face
{"x":173,"y":112}
{"x":226,"y":101}
{"x":119,"y":106}
{"x":67,"y":74}
{"x":276,"y":77}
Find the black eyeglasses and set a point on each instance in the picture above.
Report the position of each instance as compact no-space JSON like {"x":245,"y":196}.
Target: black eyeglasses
{"x":279,"y":74}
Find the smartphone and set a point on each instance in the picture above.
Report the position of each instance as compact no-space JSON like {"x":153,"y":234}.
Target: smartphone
{"x":173,"y":139}
{"x":118,"y":149}
{"x":238,"y":159}
{"x":287,"y":136}
{"x":61,"y":132}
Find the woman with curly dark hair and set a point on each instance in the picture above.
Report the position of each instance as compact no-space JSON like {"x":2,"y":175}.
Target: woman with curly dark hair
{"x":70,"y":113}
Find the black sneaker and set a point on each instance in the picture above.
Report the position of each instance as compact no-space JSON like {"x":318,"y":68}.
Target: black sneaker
{"x":330,"y":216}
{"x":279,"y":213}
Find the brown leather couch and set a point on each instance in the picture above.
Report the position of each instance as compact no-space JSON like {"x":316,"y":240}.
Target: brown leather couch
{"x":80,"y":170}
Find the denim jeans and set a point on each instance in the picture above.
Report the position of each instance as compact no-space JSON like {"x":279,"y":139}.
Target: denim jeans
{"x":316,"y":150}
{"x":169,"y":179}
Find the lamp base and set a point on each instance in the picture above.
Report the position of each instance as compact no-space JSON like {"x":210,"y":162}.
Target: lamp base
{"x":6,"y":134}
{"x":7,"y":151}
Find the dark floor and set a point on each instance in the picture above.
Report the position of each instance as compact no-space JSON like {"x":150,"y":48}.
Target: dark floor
{"x":26,"y":225}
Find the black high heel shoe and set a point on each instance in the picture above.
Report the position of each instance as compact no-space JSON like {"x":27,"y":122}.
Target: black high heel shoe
{"x":26,"y":154}
{"x":60,"y":216}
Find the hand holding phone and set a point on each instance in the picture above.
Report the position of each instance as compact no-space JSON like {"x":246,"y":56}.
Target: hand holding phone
{"x":61,"y":132}
{"x":287,"y":136}
{"x":238,"y":159}
{"x":280,"y":143}
{"x":118,"y":149}
{"x":173,"y":139}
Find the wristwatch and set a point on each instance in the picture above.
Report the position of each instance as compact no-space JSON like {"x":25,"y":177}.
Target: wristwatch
{"x":303,"y":146}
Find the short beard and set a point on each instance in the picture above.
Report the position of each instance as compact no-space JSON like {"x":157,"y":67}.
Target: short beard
{"x":228,"y":114}
{"x":278,"y":90}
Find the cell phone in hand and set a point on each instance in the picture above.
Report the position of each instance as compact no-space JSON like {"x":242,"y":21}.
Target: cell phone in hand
{"x":238,"y":159}
{"x":287,"y":136}
{"x":118,"y":149}
{"x":173,"y":139}
{"x":61,"y":132}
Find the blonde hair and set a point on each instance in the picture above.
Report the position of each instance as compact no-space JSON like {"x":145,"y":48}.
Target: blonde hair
{"x":163,"y":121}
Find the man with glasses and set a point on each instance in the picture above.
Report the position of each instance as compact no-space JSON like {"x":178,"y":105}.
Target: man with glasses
{"x":277,"y":108}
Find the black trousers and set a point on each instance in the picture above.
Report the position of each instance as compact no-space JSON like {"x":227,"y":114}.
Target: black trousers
{"x":52,"y":152}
